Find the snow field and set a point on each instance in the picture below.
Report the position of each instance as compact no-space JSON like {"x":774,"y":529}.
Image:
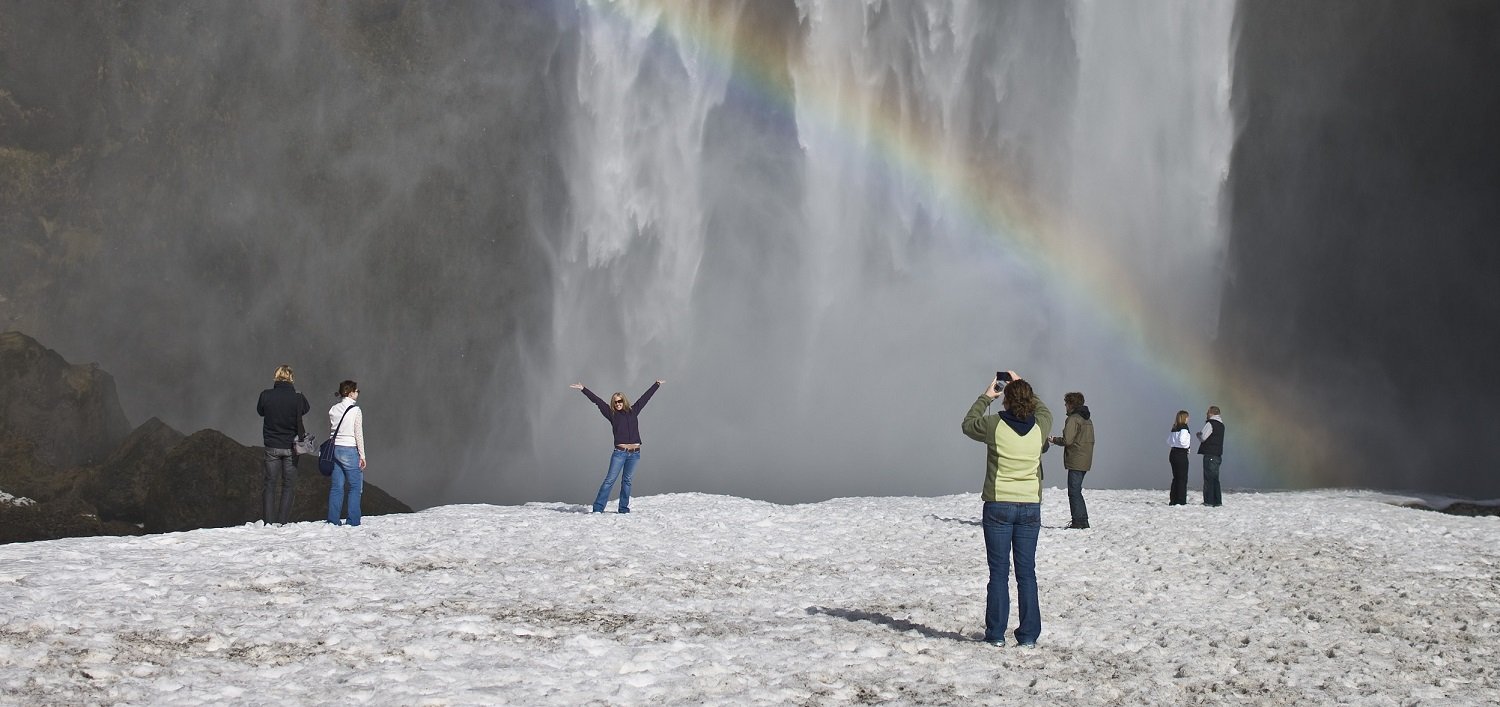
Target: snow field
{"x":1324,"y":597}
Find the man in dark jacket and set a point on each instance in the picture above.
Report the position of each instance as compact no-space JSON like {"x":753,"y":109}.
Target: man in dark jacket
{"x":282,"y":407}
{"x":1077,"y":441}
{"x":1212,"y":449}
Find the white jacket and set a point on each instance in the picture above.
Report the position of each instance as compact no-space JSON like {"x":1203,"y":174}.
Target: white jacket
{"x":352,"y":433}
{"x":1181,"y":439}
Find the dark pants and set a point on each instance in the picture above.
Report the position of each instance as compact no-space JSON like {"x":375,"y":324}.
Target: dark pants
{"x":1011,"y":530}
{"x":1179,"y":461}
{"x":279,"y":463}
{"x":1076,"y":505}
{"x":1211,"y":496}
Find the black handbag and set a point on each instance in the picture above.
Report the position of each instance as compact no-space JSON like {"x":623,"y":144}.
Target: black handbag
{"x":325,"y":452}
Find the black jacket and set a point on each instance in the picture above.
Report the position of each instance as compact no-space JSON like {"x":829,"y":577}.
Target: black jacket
{"x":281,"y":406}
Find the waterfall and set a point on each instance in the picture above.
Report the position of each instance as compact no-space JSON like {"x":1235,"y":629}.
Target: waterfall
{"x":796,"y":214}
{"x":1152,"y":133}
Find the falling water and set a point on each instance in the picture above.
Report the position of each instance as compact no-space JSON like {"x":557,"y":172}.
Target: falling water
{"x":787,"y":229}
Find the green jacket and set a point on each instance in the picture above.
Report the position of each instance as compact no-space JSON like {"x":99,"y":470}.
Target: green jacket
{"x":1012,"y":461}
{"x":1078,"y":440}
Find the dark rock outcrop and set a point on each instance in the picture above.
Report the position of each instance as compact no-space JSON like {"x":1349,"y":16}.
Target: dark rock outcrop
{"x":1360,"y":292}
{"x":119,"y":487}
{"x":70,"y":412}
{"x":23,"y":474}
{"x":67,"y":517}
{"x":61,"y":447}
{"x":209,"y":480}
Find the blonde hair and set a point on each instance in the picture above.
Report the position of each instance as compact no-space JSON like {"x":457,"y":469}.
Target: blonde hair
{"x":620,"y":397}
{"x":283,"y":373}
{"x":1181,"y":422}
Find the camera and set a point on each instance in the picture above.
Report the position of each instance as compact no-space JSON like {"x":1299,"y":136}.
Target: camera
{"x":1001,"y":378}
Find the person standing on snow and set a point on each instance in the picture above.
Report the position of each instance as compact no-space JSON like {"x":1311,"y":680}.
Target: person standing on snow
{"x":1180,"y":439}
{"x":623,"y":419}
{"x":1012,"y":501}
{"x":282,"y":407}
{"x":346,"y":422}
{"x":1212,"y":450}
{"x":1077,"y":441}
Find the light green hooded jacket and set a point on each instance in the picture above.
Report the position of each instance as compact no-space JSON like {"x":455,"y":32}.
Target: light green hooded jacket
{"x":1012,"y":461}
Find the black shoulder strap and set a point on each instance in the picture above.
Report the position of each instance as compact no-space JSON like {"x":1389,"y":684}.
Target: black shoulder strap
{"x":339,"y":426}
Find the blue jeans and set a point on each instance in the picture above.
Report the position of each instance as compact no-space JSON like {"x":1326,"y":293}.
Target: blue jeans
{"x":619,"y":461}
{"x":346,"y":473}
{"x":1211,"y":495}
{"x":1011,"y":529}
{"x":1076,"y":506}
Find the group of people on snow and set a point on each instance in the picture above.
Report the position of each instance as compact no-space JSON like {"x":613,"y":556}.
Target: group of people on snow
{"x":281,"y":408}
{"x":1016,"y":438}
{"x":1012,"y":494}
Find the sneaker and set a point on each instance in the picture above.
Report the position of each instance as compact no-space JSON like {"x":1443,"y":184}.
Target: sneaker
{"x":1077,"y":525}
{"x":1026,"y":645}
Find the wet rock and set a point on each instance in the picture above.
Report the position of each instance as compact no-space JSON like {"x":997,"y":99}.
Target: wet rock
{"x":209,"y":480}
{"x":119,"y":487}
{"x":70,"y":413}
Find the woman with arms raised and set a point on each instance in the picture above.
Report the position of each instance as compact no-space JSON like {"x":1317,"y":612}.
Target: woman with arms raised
{"x":624,"y":420}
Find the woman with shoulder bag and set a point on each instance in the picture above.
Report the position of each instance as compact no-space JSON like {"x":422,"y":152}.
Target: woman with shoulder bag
{"x":347,"y":424}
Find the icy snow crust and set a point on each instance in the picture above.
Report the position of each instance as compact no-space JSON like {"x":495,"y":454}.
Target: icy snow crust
{"x":9,"y":500}
{"x":1275,"y":598}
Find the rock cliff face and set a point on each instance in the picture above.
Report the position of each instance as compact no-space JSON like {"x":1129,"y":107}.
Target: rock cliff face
{"x":119,"y":487}
{"x":70,"y":412}
{"x":1360,"y":279}
{"x":184,"y":187}
{"x":63,"y":445}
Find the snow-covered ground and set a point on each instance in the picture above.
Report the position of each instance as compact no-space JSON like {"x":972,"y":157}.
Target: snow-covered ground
{"x":1304,"y":597}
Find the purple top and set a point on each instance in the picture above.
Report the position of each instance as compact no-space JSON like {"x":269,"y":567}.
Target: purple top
{"x":627,"y":428}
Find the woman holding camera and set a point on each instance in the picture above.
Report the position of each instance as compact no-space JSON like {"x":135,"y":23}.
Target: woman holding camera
{"x":1012,"y":500}
{"x":1180,"y":440}
{"x":623,"y":419}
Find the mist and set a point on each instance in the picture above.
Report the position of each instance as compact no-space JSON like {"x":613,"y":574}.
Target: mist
{"x":772,"y":229}
{"x":347,"y":188}
{"x":1361,"y":286}
{"x":825,"y":224}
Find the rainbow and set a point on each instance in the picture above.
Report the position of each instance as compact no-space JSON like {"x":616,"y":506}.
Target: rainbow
{"x":1285,"y":449}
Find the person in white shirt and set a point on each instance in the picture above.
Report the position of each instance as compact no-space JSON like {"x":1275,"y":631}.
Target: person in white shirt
{"x":1180,"y":440}
{"x":346,"y":422}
